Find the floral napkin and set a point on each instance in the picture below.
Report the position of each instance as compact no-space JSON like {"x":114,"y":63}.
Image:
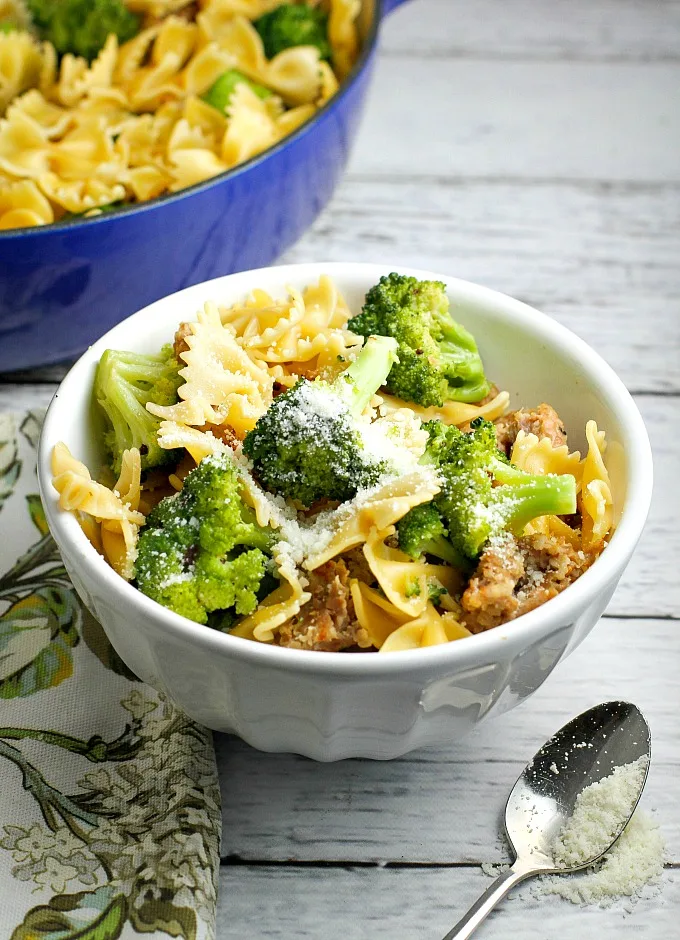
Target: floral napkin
{"x":109,"y":797}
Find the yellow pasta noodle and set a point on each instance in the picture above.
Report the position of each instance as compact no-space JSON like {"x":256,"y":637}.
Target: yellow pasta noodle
{"x":377,"y":616}
{"x":596,"y":495}
{"x":115,"y":510}
{"x":222,"y":384}
{"x":380,"y":510}
{"x":454,"y":412}
{"x":430,"y":629}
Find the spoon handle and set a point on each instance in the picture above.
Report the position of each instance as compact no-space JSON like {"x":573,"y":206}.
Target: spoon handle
{"x":483,"y":906}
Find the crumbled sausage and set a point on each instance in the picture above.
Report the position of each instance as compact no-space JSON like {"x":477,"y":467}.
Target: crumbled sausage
{"x":514,"y":576}
{"x":222,"y":432}
{"x":180,"y":344}
{"x":542,"y":421}
{"x":327,"y":621}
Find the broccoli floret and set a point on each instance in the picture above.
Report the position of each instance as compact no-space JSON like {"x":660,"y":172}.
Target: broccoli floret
{"x":124,"y":383}
{"x":220,"y":92}
{"x":438,"y":358}
{"x":474,"y":509}
{"x":294,"y":24}
{"x":482,"y":495}
{"x":82,"y":26}
{"x":202,"y":553}
{"x":422,"y":531}
{"x":307,"y":446}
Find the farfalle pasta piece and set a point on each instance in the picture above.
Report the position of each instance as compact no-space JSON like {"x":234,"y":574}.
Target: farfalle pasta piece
{"x":455,"y":412}
{"x":20,"y":65}
{"x":222,"y":385}
{"x":406,"y":583}
{"x":200,"y":444}
{"x":430,"y":629}
{"x":381,"y":509}
{"x":76,"y":78}
{"x":114,"y":509}
{"x":596,"y":494}
{"x":22,"y":204}
{"x":191,"y":165}
{"x":24,"y":152}
{"x":79,"y":196}
{"x":540,"y":457}
{"x":377,"y":616}
{"x":251,"y":128}
{"x":294,"y":74}
{"x":204,"y":68}
{"x":52,"y":119}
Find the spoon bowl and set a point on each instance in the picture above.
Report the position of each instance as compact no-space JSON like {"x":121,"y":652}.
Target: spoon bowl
{"x":586,"y":750}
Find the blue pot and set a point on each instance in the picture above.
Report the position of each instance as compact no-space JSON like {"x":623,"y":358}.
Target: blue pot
{"x":63,"y":285}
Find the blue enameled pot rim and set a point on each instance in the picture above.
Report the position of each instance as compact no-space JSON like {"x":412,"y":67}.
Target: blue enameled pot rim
{"x":151,"y":204}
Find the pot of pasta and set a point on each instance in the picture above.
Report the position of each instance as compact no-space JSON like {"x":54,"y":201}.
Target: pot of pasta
{"x":147,"y":145}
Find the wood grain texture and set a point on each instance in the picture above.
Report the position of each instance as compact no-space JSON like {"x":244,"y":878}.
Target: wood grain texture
{"x":572,"y":30}
{"x":522,"y":120}
{"x":444,"y":805}
{"x":272,"y":903}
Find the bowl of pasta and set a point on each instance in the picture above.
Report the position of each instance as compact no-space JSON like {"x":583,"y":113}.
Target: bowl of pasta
{"x":340,"y":510}
{"x":147,"y":145}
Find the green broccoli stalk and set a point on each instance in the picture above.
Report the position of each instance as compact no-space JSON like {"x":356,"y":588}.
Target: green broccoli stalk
{"x":82,"y":26}
{"x":438,"y":358}
{"x":124,"y":383}
{"x":219,"y":94}
{"x":294,"y":24}
{"x":307,"y":446}
{"x":482,"y":494}
{"x":202,"y":553}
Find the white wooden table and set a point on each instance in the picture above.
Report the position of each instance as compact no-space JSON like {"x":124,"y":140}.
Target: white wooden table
{"x":531,"y":145}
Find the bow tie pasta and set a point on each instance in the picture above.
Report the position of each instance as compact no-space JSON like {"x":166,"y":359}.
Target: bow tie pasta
{"x":119,"y":101}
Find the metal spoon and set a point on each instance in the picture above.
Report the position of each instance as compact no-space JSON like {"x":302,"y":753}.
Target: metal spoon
{"x":582,"y":752}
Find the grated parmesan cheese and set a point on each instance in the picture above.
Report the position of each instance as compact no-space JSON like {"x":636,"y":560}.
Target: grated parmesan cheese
{"x":634,"y":863}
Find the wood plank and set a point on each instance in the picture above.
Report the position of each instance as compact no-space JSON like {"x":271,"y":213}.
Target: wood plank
{"x":601,"y":259}
{"x":609,"y":30}
{"x":282,"y":902}
{"x":649,"y":586}
{"x":444,"y":805}
{"x":525,"y":120}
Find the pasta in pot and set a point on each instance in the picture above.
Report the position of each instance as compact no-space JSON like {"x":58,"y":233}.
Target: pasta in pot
{"x":78,"y":138}
{"x":339,"y":572}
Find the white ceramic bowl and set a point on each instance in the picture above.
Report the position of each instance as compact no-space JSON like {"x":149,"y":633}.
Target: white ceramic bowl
{"x":329,"y":705}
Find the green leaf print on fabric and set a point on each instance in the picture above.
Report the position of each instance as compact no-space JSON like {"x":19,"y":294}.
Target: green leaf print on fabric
{"x":10,"y":465}
{"x":31,"y":426}
{"x":37,"y":634}
{"x":91,"y":915}
{"x":145,"y":823}
{"x":37,"y":513}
